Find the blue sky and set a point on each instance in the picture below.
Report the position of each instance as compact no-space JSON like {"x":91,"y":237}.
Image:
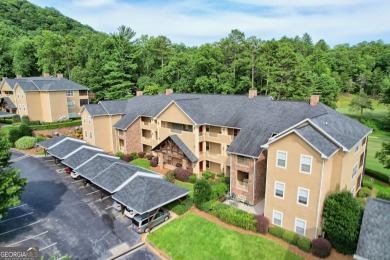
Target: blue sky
{"x":196,"y":22}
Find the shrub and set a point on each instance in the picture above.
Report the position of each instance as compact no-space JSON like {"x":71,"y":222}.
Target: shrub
{"x":208,"y":175}
{"x":378,"y":175}
{"x":141,"y":154}
{"x":25,"y":120}
{"x":228,"y":214}
{"x":192,"y":178}
{"x":15,"y":119}
{"x":202,"y":192}
{"x":170,"y":176}
{"x":41,"y":138}
{"x":367,"y":184}
{"x":180,"y":207}
{"x":25,"y":130}
{"x":25,"y":142}
{"x":321,"y":247}
{"x":182,"y":174}
{"x":119,"y":154}
{"x":364,"y":192}
{"x":127,"y":158}
{"x":343,"y":235}
{"x":135,"y":155}
{"x":141,"y":163}
{"x":154,"y":162}
{"x":361,"y":202}
{"x":262,"y":224}
{"x":304,"y":244}
{"x":149,"y":157}
{"x":218,"y":190}
{"x":14,"y":135}
{"x":290,"y":237}
{"x":227,"y":181}
{"x":276,"y":231}
{"x":383,"y":195}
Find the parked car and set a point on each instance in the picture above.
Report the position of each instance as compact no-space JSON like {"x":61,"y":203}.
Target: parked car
{"x":129,"y":213}
{"x":74,"y":175}
{"x":117,"y":206}
{"x":68,"y":170}
{"x":140,"y":222}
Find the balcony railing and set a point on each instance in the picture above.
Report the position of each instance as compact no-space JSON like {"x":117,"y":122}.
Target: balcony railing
{"x":242,"y":185}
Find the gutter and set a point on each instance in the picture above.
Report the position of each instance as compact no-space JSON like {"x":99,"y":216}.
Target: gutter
{"x":254,"y":178}
{"x":319,"y":197}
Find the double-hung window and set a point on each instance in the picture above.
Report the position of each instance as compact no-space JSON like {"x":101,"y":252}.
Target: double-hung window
{"x":354,"y":170}
{"x":300,"y":226}
{"x":71,"y":104}
{"x":281,"y":159}
{"x":277,"y":218}
{"x":303,"y":196}
{"x":279,"y":189}
{"x":305,"y":166}
{"x":69,"y":93}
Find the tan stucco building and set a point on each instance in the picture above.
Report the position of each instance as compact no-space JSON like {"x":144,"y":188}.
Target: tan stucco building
{"x":282,"y":155}
{"x":45,"y":99}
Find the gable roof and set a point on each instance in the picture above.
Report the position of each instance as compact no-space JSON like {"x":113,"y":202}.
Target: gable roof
{"x":65,"y":147}
{"x":257,"y":118}
{"x":79,"y":157}
{"x":9,"y":102}
{"x":95,"y":166}
{"x":144,"y":194}
{"x":374,"y":234}
{"x":95,"y":110}
{"x":44,"y":84}
{"x":187,"y":152}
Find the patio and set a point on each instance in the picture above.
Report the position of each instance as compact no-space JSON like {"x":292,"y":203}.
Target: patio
{"x":257,"y":209}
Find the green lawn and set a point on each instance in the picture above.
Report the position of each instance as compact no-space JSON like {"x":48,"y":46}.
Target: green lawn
{"x":143,"y":163}
{"x":193,"y":237}
{"x":186,"y":185}
{"x":379,"y":186}
{"x":374,"y":145}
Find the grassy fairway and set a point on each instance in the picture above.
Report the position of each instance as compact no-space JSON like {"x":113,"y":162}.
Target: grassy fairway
{"x":193,"y":237}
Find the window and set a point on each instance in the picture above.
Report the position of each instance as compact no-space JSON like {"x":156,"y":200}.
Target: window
{"x":207,"y":164}
{"x":279,"y":189}
{"x":69,"y":93}
{"x":187,"y":128}
{"x":357,"y":148}
{"x":85,"y":134}
{"x":300,"y":226}
{"x":306,"y":164}
{"x":277,"y":218}
{"x":72,"y":115}
{"x":361,"y":162}
{"x":354,"y":170}
{"x":84,"y":119}
{"x":303,"y":196}
{"x":71,"y":104}
{"x":22,"y":95}
{"x":281,"y":160}
{"x":83,"y":102}
{"x":207,"y":128}
{"x":207,"y":146}
{"x":364,"y":141}
{"x":90,"y":134}
{"x":177,"y":128}
{"x":89,"y":120}
{"x":83,"y":92}
{"x":18,"y":95}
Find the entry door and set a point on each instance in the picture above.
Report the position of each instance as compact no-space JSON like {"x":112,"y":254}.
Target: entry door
{"x":201,"y":166}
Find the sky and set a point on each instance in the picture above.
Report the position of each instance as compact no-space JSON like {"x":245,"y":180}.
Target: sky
{"x":196,"y":22}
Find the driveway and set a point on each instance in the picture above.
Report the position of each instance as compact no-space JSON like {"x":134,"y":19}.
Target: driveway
{"x":59,"y":214}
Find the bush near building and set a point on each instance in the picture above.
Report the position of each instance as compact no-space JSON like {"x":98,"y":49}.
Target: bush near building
{"x":321,"y":247}
{"x":25,"y":142}
{"x":304,"y":244}
{"x":364,"y":192}
{"x":262,"y":224}
{"x":202,"y":192}
{"x":182,"y":174}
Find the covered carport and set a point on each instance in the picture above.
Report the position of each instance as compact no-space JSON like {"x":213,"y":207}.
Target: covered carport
{"x":144,"y":194}
{"x":5,"y":115}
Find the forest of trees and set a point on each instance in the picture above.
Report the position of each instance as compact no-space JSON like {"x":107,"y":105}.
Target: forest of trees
{"x":35,"y":40}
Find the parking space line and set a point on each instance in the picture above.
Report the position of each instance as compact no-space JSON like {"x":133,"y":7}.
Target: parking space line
{"x":46,"y":247}
{"x":76,"y":181}
{"x":108,"y":208}
{"x":92,"y":192}
{"x":18,"y":206}
{"x":20,"y":228}
{"x":51,"y":160}
{"x":102,"y":199}
{"x":16,"y":217}
{"x":27,"y":239}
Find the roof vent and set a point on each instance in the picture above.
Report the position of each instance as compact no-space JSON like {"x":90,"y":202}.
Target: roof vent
{"x":139,"y":93}
{"x":252,"y":93}
{"x":168,"y":91}
{"x":314,"y":100}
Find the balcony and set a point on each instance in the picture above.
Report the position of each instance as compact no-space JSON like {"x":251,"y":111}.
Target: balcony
{"x":218,"y":138}
{"x":148,"y":125}
{"x":242,"y":185}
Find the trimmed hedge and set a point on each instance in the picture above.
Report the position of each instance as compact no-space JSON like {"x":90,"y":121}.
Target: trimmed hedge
{"x":378,"y":175}
{"x":383,"y":195}
{"x":57,"y":125}
{"x":119,"y":154}
{"x":182,"y":174}
{"x":25,"y":142}
{"x":127,"y":157}
{"x":290,"y":237}
{"x":276,"y":231}
{"x":304,"y":244}
{"x":230,"y":215}
{"x":321,"y":247}
{"x":364,"y":192}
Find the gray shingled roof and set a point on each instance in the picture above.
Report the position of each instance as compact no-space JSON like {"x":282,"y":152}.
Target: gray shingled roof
{"x":114,"y":107}
{"x":9,"y":102}
{"x":94,"y":167}
{"x":317,"y":140}
{"x":50,"y":142}
{"x":114,"y":176}
{"x":374,"y":238}
{"x":95,"y":110}
{"x":5,"y":114}
{"x":27,"y":86}
{"x":187,"y":152}
{"x":258,"y":117}
{"x":45,"y":84}
{"x":144,"y":194}
{"x":80,"y":157}
{"x":64,"y":148}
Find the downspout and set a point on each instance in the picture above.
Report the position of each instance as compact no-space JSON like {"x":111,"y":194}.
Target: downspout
{"x":319,"y":197}
{"x":230,"y":174}
{"x":254,"y":178}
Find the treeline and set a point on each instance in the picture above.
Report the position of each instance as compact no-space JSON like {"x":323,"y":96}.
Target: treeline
{"x":34,"y":40}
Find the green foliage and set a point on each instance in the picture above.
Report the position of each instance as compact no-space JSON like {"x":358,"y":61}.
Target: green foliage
{"x":11,"y":185}
{"x":361,"y":202}
{"x":152,"y":90}
{"x":25,"y":120}
{"x":360,"y":103}
{"x":25,"y":130}
{"x":383,"y":155}
{"x":16,"y":119}
{"x":202,"y":192}
{"x":192,"y":178}
{"x":119,"y":155}
{"x":290,"y":237}
{"x":229,"y":215}
{"x":143,"y":163}
{"x":40,"y":138}
{"x":343,"y":235}
{"x":383,"y":195}
{"x":304,"y":244}
{"x":180,"y":207}
{"x":378,"y":175}
{"x":134,"y":155}
{"x":13,"y":135}
{"x":57,"y":125}
{"x":218,"y":190}
{"x":367,"y":184}
{"x":276,"y":231}
{"x":364,"y":192}
{"x":25,"y":142}
{"x":170,"y":176}
{"x":208,"y":175}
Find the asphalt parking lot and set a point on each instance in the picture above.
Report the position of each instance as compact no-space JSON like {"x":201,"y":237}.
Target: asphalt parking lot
{"x":61,"y":215}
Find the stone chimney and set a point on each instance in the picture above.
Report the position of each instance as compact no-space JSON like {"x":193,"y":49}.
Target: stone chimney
{"x":60,"y":75}
{"x":314,"y":100}
{"x":18,"y":76}
{"x":46,"y":74}
{"x":252,"y":93}
{"x":168,"y":91}
{"x":139,"y":93}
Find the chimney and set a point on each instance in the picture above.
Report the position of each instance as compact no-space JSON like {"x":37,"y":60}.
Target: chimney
{"x":18,"y":76}
{"x":168,"y":91}
{"x":314,"y":99}
{"x":46,"y":74}
{"x":60,"y":75}
{"x":139,"y":93}
{"x":252,"y":93}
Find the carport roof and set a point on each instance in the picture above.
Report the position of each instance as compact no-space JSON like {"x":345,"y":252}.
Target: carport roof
{"x":50,"y":142}
{"x":64,"y":148}
{"x":80,"y":157}
{"x":5,"y":114}
{"x":95,"y":166}
{"x":144,"y":194}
